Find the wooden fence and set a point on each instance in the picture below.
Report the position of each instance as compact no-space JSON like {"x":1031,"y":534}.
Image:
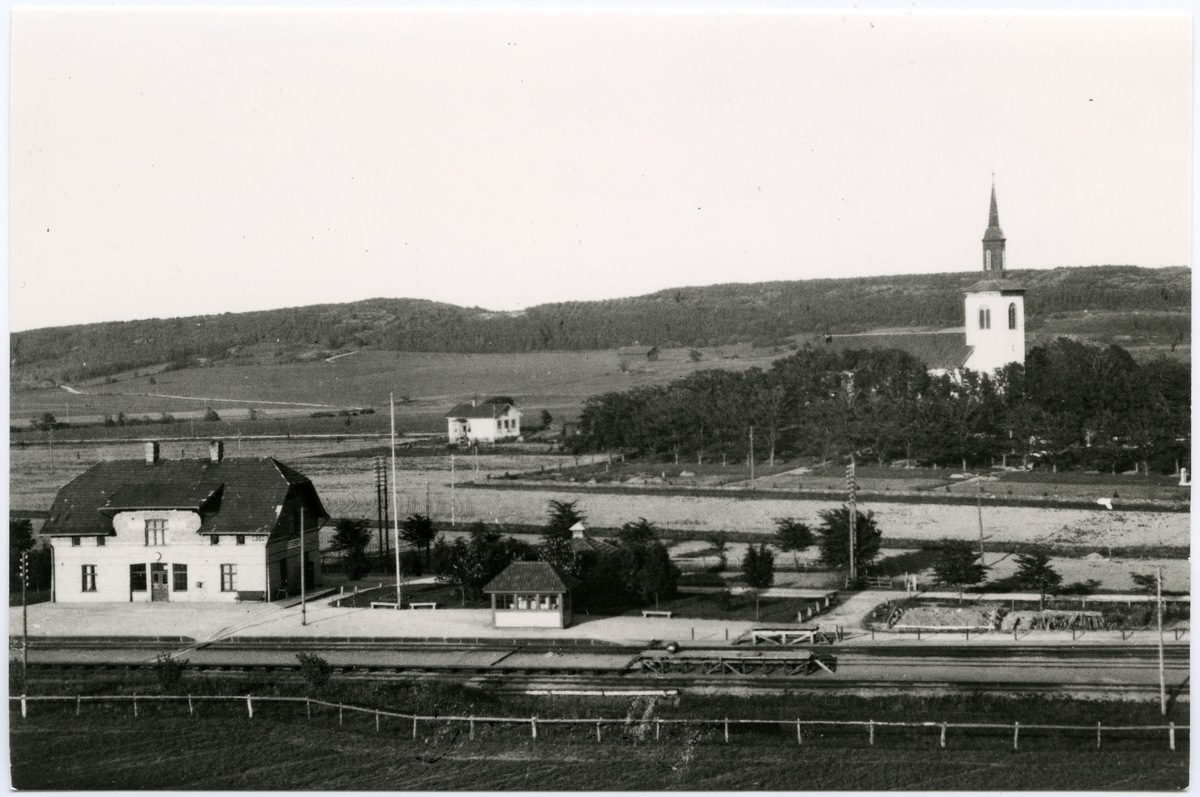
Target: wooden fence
{"x":471,"y":722}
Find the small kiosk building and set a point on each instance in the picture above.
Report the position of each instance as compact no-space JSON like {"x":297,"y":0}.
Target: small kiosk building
{"x":531,"y":595}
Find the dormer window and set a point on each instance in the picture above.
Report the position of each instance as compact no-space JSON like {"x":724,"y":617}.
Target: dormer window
{"x":156,"y":531}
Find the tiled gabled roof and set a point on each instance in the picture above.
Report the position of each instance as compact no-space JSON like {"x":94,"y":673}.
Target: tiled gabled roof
{"x":539,"y":577}
{"x":945,"y":350}
{"x":478,"y":411}
{"x":1002,"y":285}
{"x":234,"y":496}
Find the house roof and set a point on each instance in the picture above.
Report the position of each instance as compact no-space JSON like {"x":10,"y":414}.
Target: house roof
{"x":234,"y":496}
{"x":540,"y":577}
{"x":584,"y":544}
{"x":1001,"y":285}
{"x":936,"y":349}
{"x":478,"y":410}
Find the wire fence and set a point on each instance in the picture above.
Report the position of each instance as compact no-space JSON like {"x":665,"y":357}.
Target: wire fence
{"x":659,"y":726}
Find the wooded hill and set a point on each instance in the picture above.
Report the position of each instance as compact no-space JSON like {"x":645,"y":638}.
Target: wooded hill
{"x":763,"y":313}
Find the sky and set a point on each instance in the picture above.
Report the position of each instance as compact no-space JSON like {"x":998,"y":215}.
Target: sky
{"x":176,"y":163}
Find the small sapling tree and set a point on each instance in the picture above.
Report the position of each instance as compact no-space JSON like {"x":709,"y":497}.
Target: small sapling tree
{"x":956,"y":565}
{"x":418,"y":532}
{"x":792,"y":535}
{"x":1035,"y":572}
{"x":758,"y":567}
{"x":353,"y":536}
{"x":561,"y":517}
{"x":835,"y":537}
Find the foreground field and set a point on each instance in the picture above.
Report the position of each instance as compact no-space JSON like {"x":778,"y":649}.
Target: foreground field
{"x":107,"y":751}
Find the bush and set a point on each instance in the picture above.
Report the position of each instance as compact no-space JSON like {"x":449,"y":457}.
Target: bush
{"x":211,"y":415}
{"x":314,"y":669}
{"x":168,"y":671}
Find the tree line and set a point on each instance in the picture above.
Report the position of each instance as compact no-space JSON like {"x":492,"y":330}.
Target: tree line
{"x":1070,"y":405}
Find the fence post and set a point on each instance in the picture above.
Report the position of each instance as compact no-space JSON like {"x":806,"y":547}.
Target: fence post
{"x":135,"y":704}
{"x":78,"y":704}
{"x":1097,"y":736}
{"x":472,"y":735}
{"x":1016,"y":734}
{"x":726,"y":728}
{"x":376,"y":720}
{"x":943,"y":735}
{"x":249,"y":707}
{"x":414,"y":726}
{"x":533,"y":726}
{"x":657,"y":730}
{"x":24,"y":713}
{"x":191,"y":710}
{"x":308,"y":706}
{"x":339,"y":713}
{"x":799,"y":738}
{"x":871,"y":732}
{"x":1172,"y":736}
{"x":597,"y":731}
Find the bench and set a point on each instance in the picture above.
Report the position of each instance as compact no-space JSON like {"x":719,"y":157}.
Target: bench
{"x":384,"y":605}
{"x":649,"y":613}
{"x":422,"y":605}
{"x":250,"y":595}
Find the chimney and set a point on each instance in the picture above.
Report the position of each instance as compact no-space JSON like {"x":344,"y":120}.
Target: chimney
{"x":151,"y":453}
{"x":216,"y":451}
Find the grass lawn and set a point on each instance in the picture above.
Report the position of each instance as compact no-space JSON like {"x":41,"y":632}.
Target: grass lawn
{"x":282,"y":750}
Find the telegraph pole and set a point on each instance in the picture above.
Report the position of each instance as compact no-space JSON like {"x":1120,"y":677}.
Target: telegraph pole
{"x":24,"y":621}
{"x":979,"y":506}
{"x":852,"y":490}
{"x":303,"y":562}
{"x":751,"y":457}
{"x":395,"y":515}
{"x":452,"y":490}
{"x":1162,"y":677}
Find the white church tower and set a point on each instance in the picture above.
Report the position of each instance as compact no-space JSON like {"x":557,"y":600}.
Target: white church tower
{"x":995,"y":307}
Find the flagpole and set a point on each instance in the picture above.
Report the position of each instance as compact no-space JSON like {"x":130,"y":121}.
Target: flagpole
{"x":303,"y":604}
{"x":395,"y":506}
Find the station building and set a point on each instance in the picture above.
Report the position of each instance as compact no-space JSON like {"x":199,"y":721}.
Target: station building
{"x":196,"y":530}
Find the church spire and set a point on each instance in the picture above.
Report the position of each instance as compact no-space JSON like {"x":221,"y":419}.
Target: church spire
{"x":993,"y":239}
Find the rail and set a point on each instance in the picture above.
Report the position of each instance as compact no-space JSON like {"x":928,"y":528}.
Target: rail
{"x":599,"y":722}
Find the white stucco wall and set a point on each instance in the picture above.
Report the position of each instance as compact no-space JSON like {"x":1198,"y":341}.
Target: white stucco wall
{"x":527,"y":618}
{"x":999,"y":345}
{"x":182,"y":546}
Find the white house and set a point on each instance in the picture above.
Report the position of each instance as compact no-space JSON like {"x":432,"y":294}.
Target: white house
{"x":483,"y":423}
{"x":184,"y":530}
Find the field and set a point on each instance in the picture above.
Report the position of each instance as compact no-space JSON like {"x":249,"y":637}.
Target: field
{"x":281,"y":750}
{"x":426,"y":384}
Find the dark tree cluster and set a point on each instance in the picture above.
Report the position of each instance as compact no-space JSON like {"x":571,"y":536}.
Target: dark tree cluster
{"x":1071,"y":405}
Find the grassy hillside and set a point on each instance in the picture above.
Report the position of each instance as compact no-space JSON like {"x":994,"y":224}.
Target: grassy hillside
{"x":1149,"y":304}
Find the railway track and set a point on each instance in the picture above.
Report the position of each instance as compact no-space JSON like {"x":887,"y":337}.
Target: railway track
{"x":1126,"y":671}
